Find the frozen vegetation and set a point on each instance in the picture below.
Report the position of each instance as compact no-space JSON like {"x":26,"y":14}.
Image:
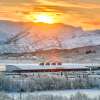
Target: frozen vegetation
{"x":33,"y":96}
{"x":47,"y":83}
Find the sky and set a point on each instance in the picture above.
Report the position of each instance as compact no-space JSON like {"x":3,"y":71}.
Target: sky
{"x":80,"y":13}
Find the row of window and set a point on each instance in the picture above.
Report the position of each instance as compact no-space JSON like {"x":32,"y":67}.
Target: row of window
{"x":54,"y":63}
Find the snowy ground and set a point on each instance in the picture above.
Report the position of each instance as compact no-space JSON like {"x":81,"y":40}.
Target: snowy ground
{"x":91,"y":93}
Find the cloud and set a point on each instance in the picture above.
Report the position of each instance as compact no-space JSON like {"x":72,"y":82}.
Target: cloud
{"x":73,"y":3}
{"x":17,"y":1}
{"x":95,"y":23}
{"x":68,"y":10}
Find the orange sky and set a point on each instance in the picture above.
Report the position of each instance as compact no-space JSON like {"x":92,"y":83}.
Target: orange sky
{"x":84,"y":13}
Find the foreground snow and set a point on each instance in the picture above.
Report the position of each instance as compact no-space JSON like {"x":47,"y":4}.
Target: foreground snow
{"x":91,"y":93}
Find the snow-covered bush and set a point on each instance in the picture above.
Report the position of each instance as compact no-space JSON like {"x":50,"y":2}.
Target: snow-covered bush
{"x":39,"y":84}
{"x":28,"y":96}
{"x":77,"y":96}
{"x":4,"y":96}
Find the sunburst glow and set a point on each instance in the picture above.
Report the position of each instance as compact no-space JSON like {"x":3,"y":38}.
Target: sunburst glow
{"x":45,"y":18}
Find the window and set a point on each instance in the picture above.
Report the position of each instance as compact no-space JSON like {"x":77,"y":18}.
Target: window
{"x":42,"y":64}
{"x":59,"y":63}
{"x":47,"y":63}
{"x":53,"y":63}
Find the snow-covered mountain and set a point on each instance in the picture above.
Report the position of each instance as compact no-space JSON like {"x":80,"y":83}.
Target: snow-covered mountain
{"x":28,"y":37}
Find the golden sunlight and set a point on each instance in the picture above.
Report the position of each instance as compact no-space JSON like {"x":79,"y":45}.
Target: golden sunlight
{"x":45,"y":18}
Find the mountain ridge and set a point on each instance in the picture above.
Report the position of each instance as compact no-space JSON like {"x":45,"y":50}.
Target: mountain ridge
{"x":42,"y":36}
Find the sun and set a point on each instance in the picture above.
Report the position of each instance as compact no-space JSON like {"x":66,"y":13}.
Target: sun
{"x":44,"y":18}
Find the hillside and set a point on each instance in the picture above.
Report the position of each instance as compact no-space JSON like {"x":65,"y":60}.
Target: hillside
{"x":37,"y":42}
{"x":29,"y":37}
{"x":88,"y":54}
